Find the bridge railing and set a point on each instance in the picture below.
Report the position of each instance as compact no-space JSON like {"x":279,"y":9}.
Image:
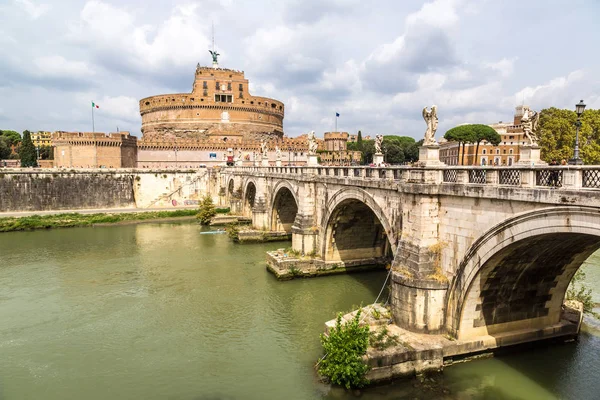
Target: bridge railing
{"x":573,"y":177}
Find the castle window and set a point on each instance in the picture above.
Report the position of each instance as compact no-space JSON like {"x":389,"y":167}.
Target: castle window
{"x":484,"y":151}
{"x":510,"y":151}
{"x":217,"y":85}
{"x":504,"y":151}
{"x":252,"y":102}
{"x":223,"y":98}
{"x":497,"y":151}
{"x":273,"y":105}
{"x":147,"y":103}
{"x":241,"y":96}
{"x":205,"y":93}
{"x":243,"y":102}
{"x":229,"y":86}
{"x":241,"y":87}
{"x":231,"y":76}
{"x":204,"y":85}
{"x":192,"y":99}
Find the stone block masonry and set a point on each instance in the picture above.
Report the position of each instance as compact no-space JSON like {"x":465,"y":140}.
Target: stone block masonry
{"x":53,"y":189}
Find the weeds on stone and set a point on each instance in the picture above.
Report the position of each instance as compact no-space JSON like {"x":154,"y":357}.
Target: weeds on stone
{"x":382,"y":339}
{"x":578,"y":291}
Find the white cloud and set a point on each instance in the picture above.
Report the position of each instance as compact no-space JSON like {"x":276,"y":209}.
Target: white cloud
{"x":32,"y":9}
{"x":57,"y":66}
{"x":504,"y":67}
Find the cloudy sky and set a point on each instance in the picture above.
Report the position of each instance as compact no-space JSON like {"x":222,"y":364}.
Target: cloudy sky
{"x":377,"y":63}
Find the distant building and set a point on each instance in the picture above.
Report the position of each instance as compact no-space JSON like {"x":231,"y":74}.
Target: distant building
{"x":94,"y":150}
{"x":41,"y":138}
{"x":506,"y":153}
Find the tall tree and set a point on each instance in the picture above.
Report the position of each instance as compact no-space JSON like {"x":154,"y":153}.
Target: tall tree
{"x":461,"y":136}
{"x":12,"y":137}
{"x":27,"y":152}
{"x":359,"y":141}
{"x":4,"y":148}
{"x":557,"y":135}
{"x":484,"y":133}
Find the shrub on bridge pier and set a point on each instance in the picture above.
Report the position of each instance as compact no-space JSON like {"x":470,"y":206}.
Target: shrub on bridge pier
{"x":344,"y":347}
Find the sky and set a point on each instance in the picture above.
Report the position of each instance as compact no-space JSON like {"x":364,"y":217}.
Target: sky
{"x":377,"y":63}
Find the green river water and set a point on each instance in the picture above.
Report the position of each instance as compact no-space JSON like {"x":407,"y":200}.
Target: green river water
{"x":159,"y":311}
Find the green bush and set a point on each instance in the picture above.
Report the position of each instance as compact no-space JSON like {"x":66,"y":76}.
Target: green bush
{"x":207,"y":210}
{"x":233,"y":231}
{"x":344,"y":347}
{"x":578,"y":291}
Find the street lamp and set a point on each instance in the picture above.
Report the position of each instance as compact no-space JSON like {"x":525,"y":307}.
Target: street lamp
{"x":37,"y":149}
{"x":289,"y":156}
{"x":579,"y":108}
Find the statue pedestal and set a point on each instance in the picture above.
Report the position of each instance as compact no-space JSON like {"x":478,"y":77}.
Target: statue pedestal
{"x":278,"y":163}
{"x":238,"y":162}
{"x":429,"y":156}
{"x":377,"y":159}
{"x":312,"y":160}
{"x":264,"y":162}
{"x":530,"y":155}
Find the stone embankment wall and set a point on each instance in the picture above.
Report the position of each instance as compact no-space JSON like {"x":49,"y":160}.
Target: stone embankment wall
{"x":52,"y":189}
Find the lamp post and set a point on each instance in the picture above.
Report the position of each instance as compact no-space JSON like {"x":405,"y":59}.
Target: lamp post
{"x":37,"y":149}
{"x":579,"y":108}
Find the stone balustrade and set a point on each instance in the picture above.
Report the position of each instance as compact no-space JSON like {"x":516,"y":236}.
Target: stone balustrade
{"x":568,"y":177}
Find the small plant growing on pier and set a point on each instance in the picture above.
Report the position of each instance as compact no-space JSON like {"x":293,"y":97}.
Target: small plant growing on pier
{"x":578,"y":291}
{"x":344,"y":347}
{"x":207,"y":210}
{"x":382,"y":339}
{"x":233,"y":231}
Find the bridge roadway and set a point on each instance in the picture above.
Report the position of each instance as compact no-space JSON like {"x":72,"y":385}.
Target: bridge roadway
{"x":475,"y":251}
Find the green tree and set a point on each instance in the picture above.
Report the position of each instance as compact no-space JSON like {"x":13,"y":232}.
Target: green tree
{"x":344,"y":347}
{"x":394,"y":153}
{"x":27,"y":151}
{"x":578,"y":291}
{"x":46,"y":152}
{"x":207,"y":210}
{"x":12,"y":137}
{"x":557,"y":130}
{"x":359,"y":141}
{"x":368,"y":149}
{"x":472,"y":133}
{"x":407,"y":144}
{"x":4,"y":148}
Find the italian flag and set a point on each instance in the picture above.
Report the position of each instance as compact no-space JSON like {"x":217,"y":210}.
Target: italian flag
{"x":94,"y":105}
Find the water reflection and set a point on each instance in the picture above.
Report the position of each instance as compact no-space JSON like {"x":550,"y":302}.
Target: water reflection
{"x":158,"y":311}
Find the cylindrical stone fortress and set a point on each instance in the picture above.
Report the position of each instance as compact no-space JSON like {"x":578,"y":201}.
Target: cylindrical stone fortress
{"x":220,"y":103}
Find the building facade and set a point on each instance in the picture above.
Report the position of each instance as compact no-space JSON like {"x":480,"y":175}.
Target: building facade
{"x":41,"y":138}
{"x":94,"y":150}
{"x":505,"y":154}
{"x":219,"y":105}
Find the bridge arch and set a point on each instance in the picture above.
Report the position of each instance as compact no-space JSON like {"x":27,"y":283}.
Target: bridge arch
{"x":249,"y":197}
{"x":515,"y":275}
{"x":230,"y":187}
{"x":284,"y":207}
{"x":355,"y":227}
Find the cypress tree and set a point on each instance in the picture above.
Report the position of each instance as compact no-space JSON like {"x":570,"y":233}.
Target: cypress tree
{"x":27,"y":152}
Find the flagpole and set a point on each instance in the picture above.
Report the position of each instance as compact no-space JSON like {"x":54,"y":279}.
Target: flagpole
{"x":93,"y":125}
{"x":336,"y":121}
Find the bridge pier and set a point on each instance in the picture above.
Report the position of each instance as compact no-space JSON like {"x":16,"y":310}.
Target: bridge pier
{"x":304,"y":235}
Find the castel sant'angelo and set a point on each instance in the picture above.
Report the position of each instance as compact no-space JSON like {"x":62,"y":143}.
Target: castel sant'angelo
{"x":220,"y":104}
{"x":218,"y":120}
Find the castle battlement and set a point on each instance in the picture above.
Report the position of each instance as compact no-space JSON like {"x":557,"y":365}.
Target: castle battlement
{"x":220,"y":100}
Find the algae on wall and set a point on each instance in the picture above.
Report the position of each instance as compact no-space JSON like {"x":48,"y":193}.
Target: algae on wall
{"x":65,"y":191}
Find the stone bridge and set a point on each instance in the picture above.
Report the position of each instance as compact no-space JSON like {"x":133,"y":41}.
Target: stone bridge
{"x":474,"y":251}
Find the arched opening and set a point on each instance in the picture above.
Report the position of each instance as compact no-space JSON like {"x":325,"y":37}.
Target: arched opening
{"x":515,"y":277}
{"x":249,"y":198}
{"x":356,"y":236}
{"x":230,"y":188}
{"x":284,"y":211}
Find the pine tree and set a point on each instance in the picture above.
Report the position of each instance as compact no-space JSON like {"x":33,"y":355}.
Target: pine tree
{"x":27,"y":152}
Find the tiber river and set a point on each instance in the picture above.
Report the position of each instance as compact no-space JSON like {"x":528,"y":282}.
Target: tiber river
{"x":158,"y":311}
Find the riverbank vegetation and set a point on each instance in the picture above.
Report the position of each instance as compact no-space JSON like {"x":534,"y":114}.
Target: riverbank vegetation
{"x":578,"y":291}
{"x":207,"y":210}
{"x":71,"y":220}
